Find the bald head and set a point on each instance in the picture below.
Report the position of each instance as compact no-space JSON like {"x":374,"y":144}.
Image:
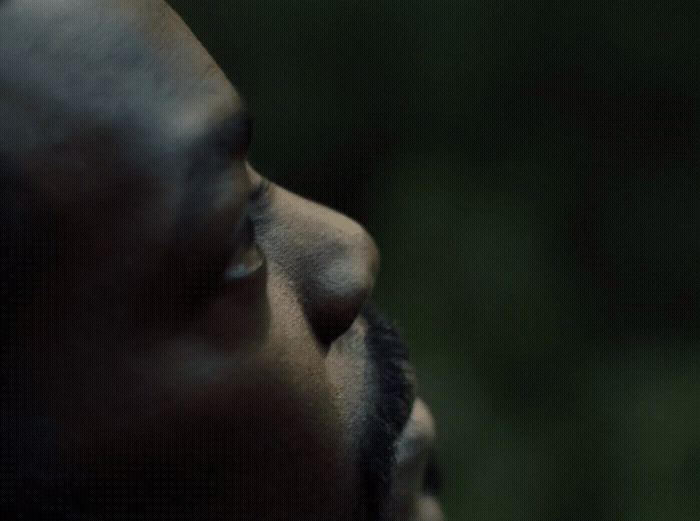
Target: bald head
{"x":126,"y":66}
{"x":118,"y":98}
{"x":113,"y":87}
{"x":186,"y":337}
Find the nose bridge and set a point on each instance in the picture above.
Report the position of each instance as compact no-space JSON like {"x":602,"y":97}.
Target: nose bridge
{"x":331,"y":259}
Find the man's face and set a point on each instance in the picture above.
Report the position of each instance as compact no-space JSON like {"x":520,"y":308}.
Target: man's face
{"x":194,"y":331}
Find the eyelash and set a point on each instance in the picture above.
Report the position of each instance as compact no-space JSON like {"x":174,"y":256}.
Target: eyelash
{"x":258,"y":200}
{"x":250,"y":252}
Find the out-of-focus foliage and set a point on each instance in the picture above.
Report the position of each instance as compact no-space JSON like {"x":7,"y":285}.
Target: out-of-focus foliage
{"x":531,"y":173}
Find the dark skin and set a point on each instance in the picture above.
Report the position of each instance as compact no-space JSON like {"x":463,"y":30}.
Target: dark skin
{"x":186,"y":336}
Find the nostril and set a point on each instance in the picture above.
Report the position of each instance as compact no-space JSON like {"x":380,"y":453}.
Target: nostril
{"x":335,"y":295}
{"x":331,"y":321}
{"x":330,"y":260}
{"x":332,"y":313}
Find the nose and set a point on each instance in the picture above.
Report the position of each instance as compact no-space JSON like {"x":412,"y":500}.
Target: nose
{"x":330,"y":259}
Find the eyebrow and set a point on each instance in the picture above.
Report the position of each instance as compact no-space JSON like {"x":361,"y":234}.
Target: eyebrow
{"x":211,"y":153}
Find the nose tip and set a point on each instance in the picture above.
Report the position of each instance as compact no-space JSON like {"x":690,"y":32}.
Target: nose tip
{"x":335,"y":294}
{"x":329,"y":258}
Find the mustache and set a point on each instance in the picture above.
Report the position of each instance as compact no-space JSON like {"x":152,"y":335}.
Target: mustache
{"x":392,"y":397}
{"x":395,"y":398}
{"x":389,"y":351}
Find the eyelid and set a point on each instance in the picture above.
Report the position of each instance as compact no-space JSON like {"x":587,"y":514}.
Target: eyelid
{"x":241,"y":134}
{"x":259,"y":200}
{"x":259,"y":191}
{"x":244,"y":231}
{"x":247,"y":258}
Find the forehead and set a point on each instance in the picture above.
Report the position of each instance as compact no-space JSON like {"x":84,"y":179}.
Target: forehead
{"x":130,"y":68}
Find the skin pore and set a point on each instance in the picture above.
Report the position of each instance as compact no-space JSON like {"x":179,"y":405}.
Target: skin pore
{"x":184,"y":338}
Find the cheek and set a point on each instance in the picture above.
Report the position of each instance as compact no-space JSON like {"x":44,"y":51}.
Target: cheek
{"x":246,"y":440}
{"x":252,"y":429}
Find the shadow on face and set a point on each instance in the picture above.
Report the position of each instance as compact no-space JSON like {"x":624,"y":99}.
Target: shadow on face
{"x":175,"y":350}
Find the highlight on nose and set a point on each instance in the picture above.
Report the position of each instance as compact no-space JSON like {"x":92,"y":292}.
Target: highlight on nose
{"x":334,"y":295}
{"x":329,"y":258}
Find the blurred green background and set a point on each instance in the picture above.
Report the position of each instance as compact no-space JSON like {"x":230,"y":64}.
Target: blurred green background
{"x":530,"y":173}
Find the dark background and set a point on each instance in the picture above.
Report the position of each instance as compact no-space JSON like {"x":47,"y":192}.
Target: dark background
{"x":530,"y":173}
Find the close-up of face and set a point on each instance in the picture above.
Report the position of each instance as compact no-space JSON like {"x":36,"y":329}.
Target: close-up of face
{"x":184,"y":338}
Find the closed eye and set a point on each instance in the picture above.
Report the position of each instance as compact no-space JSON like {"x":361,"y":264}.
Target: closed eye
{"x":239,"y":258}
{"x":234,"y":135}
{"x":241,"y":134}
{"x":259,"y":191}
